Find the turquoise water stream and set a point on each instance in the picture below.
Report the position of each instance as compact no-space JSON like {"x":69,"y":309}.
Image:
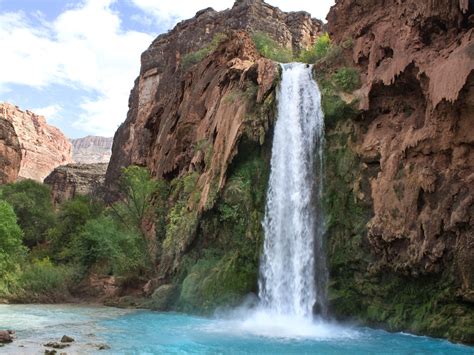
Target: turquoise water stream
{"x":144,"y":332}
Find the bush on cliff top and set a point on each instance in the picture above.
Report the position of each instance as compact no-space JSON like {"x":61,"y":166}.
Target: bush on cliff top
{"x":195,"y":57}
{"x":269,"y":48}
{"x":319,"y":50}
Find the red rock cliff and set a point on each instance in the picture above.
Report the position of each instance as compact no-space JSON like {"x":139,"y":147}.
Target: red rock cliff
{"x":415,"y":137}
{"x":43,"y":147}
{"x":10,"y":152}
{"x":173,"y":109}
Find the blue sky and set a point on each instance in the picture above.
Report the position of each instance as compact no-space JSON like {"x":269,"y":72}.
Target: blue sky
{"x":75,"y":61}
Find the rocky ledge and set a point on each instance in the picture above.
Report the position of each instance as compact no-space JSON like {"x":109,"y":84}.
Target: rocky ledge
{"x":70,"y":180}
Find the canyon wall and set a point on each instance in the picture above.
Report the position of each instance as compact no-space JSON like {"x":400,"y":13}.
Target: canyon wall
{"x":10,"y":152}
{"x":91,"y":149}
{"x":401,"y":167}
{"x":399,"y":159}
{"x":199,"y":117}
{"x":43,"y":147}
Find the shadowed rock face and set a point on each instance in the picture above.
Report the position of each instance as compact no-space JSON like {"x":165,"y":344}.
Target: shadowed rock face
{"x":92,"y":149}
{"x":416,"y":130}
{"x":10,"y":152}
{"x":43,"y":147}
{"x":70,"y":180}
{"x":171,"y":109}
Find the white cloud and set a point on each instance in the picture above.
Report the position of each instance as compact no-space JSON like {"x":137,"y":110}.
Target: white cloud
{"x":85,"y":48}
{"x":51,"y":112}
{"x":170,"y":12}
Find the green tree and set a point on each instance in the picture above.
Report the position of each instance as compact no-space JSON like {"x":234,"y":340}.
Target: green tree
{"x":11,"y":248}
{"x":137,"y":188}
{"x":136,"y":210}
{"x":72,"y":217}
{"x":32,"y":204}
{"x":105,"y":242}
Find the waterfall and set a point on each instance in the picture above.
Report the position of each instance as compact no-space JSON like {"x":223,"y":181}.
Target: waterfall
{"x":293,"y":270}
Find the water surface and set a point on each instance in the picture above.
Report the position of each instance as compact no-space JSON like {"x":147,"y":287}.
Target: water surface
{"x":145,"y":332}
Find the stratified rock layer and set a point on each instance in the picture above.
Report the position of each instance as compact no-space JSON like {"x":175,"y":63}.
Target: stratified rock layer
{"x":172,"y":109}
{"x":67,"y":181}
{"x":414,"y":138}
{"x":10,"y":152}
{"x":43,"y":147}
{"x":92,"y":149}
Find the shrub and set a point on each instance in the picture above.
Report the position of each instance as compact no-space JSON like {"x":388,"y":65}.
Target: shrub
{"x":319,"y":50}
{"x":104,"y":242}
{"x":193,"y":58}
{"x":72,"y":217}
{"x":11,"y":248}
{"x":138,"y":190}
{"x":346,"y":79}
{"x":269,"y":48}
{"x":42,"y":281}
{"x":32,"y":204}
{"x":42,"y":277}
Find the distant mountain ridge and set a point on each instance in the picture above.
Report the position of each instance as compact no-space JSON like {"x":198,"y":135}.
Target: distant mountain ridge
{"x":92,"y":149}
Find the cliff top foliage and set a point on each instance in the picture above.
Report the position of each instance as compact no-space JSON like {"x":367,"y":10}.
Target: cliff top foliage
{"x":195,"y":57}
{"x":271,"y":49}
{"x":318,"y":51}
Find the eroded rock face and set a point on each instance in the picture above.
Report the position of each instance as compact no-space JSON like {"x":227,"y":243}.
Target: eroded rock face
{"x":418,"y":102}
{"x":10,"y":152}
{"x":67,"y":181}
{"x":172,"y":109}
{"x":415,"y":137}
{"x":92,"y":149}
{"x":43,"y":147}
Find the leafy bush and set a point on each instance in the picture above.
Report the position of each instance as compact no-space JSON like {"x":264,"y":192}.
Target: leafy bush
{"x":334,"y":108}
{"x":11,"y":248}
{"x":138,"y":189}
{"x":104,"y":242}
{"x":32,"y":204}
{"x":195,"y":57}
{"x":181,"y":221}
{"x":72,"y":217}
{"x":319,"y":50}
{"x":269,"y":48}
{"x":41,"y":277}
{"x":346,"y":79}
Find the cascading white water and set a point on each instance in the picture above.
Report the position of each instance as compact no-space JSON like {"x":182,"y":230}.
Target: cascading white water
{"x":292,"y":271}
